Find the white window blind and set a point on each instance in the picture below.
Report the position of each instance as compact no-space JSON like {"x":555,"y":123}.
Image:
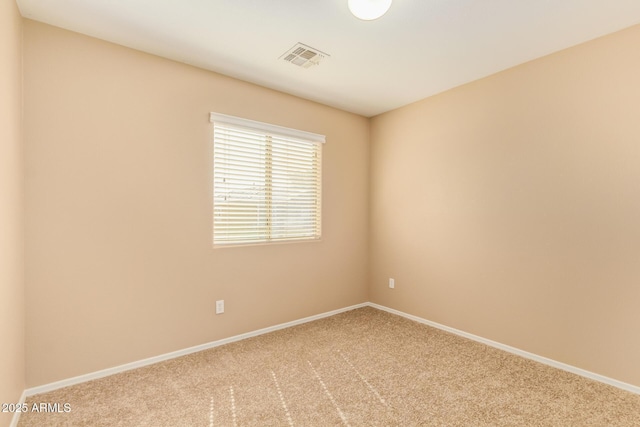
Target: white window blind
{"x":266,"y":182}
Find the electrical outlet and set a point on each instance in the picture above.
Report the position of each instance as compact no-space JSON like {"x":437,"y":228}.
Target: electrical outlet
{"x":392,"y":283}
{"x":220,"y":306}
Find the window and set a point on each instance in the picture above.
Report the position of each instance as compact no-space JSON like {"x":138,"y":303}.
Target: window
{"x":266,"y":182}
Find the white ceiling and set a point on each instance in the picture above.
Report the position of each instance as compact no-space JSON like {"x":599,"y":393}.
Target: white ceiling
{"x":419,"y":48}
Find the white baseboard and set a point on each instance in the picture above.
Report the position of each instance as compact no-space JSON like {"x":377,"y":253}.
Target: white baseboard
{"x":150,"y":361}
{"x":544,"y":360}
{"x":167,"y":356}
{"x":16,"y":415}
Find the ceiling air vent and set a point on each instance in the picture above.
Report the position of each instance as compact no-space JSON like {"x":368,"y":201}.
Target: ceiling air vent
{"x":303,"y":56}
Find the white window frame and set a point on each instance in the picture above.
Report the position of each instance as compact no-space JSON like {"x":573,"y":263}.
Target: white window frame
{"x":263,"y":229}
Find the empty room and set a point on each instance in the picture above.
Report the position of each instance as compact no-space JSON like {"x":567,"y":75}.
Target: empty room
{"x":319,"y":213}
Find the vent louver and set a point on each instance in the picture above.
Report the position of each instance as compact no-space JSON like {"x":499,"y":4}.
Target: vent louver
{"x":303,"y":56}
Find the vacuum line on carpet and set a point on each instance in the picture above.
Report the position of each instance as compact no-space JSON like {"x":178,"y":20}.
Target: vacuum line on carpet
{"x":211,"y":413}
{"x":284,"y":404}
{"x":328,"y":393}
{"x":233,"y":407}
{"x":364,"y":380}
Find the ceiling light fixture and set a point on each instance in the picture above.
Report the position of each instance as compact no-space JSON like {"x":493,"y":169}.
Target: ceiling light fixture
{"x":369,"y":10}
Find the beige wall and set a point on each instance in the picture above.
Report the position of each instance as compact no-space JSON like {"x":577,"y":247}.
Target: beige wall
{"x":119,"y":209}
{"x":510,"y":207}
{"x":12,"y":372}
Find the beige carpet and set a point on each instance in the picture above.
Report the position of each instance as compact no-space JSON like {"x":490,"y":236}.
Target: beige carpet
{"x":361,"y":368}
